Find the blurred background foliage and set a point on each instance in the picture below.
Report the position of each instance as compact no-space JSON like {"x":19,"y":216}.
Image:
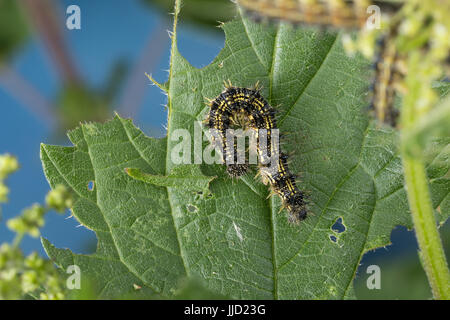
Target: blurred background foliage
{"x":77,"y":101}
{"x":123,"y":89}
{"x":203,"y":13}
{"x":13,"y":28}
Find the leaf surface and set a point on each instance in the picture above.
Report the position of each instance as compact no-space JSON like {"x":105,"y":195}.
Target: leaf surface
{"x":158,"y":228}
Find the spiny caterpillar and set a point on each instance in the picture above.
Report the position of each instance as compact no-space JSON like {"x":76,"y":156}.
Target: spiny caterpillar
{"x":389,"y":71}
{"x":325,"y":13}
{"x":247,"y":108}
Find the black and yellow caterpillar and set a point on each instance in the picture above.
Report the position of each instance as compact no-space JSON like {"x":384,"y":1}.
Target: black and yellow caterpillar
{"x":246,"y":107}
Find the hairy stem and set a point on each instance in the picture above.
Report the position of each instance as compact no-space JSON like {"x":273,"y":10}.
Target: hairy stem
{"x":419,"y":101}
{"x":431,"y":250}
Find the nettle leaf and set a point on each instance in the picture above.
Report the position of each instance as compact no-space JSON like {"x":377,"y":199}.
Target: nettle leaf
{"x":176,"y":221}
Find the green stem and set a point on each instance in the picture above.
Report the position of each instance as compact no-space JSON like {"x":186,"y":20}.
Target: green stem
{"x":431,"y":250}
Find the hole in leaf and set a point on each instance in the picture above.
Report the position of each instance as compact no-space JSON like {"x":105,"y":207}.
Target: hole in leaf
{"x":91,"y":185}
{"x":333,"y":238}
{"x":192,"y":208}
{"x":338,"y":226}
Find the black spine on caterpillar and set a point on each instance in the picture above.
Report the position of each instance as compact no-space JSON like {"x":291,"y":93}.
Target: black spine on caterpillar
{"x":256,"y":114}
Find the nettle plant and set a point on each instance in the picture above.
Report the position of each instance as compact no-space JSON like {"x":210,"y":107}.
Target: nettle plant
{"x":158,"y":222}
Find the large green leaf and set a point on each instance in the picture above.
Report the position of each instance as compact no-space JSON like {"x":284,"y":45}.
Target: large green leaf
{"x":160,"y":227}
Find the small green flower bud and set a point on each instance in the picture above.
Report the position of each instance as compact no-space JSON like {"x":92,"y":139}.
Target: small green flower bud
{"x":31,"y":220}
{"x":53,"y":283}
{"x":59,"y":199}
{"x":8,"y":274}
{"x":51,"y":296}
{"x":34,"y":261}
{"x":366,"y":42}
{"x":30,"y":281}
{"x":17,"y":225}
{"x":349,"y":44}
{"x":8,"y":165}
{"x":9,"y":256}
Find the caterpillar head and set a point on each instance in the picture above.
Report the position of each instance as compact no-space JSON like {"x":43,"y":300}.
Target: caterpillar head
{"x":296,"y":206}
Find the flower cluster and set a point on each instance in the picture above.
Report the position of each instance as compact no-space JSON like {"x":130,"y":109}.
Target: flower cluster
{"x":8,"y":165}
{"x":29,"y":276}
{"x":32,"y":219}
